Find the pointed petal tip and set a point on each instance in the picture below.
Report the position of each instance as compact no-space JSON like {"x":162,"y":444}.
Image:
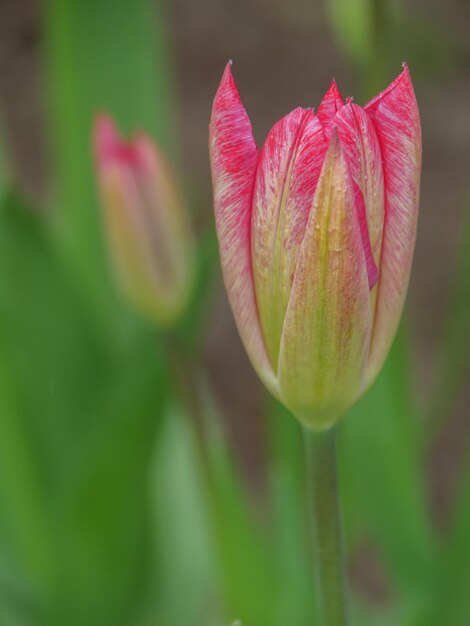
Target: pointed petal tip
{"x":109,"y":146}
{"x":141,"y":151}
{"x":331,"y":102}
{"x":230,"y":134}
{"x":404,"y":74}
{"x":403,"y":80}
{"x":101,"y":118}
{"x":227,"y":95}
{"x":334,"y":89}
{"x":103,"y":125}
{"x":142,"y":138}
{"x":106,"y":137}
{"x":227,"y":76}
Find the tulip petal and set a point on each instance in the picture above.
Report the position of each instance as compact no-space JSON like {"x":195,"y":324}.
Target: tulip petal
{"x":331,"y":103}
{"x":234,"y":157}
{"x":361,"y":147}
{"x":326,"y":334}
{"x":372,"y":269}
{"x":396,"y":118}
{"x":131,"y":247}
{"x":167,"y":229}
{"x":106,"y":139}
{"x":288,"y":170}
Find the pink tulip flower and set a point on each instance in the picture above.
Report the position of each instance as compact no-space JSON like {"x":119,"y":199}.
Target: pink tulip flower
{"x":316,"y":234}
{"x":146,"y":223}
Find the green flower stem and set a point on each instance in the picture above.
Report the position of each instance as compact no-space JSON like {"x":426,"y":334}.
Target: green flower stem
{"x":325,"y":518}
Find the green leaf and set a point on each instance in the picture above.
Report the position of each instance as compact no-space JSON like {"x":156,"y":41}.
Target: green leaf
{"x":53,"y":353}
{"x":79,"y":422}
{"x":245,"y":559}
{"x":449,"y":601}
{"x":103,"y":518}
{"x":185,"y":587}
{"x":50,"y":365}
{"x":382,"y":477}
{"x":24,"y":540}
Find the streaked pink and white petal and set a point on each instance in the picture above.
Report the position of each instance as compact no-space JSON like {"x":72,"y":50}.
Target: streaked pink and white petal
{"x":234,"y":157}
{"x":395,"y":115}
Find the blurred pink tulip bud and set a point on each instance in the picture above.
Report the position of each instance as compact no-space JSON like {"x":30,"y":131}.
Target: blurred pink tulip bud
{"x":316,"y":235}
{"x":146,"y":222}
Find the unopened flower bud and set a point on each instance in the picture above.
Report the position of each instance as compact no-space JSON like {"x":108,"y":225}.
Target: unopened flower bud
{"x":316,"y":234}
{"x":146,"y":222}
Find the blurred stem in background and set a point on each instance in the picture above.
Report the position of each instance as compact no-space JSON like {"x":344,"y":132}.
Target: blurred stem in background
{"x":453,"y":364}
{"x":365,"y":31}
{"x":378,"y":58}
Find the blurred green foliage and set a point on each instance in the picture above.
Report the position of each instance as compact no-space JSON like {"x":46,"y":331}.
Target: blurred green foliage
{"x":112,"y":511}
